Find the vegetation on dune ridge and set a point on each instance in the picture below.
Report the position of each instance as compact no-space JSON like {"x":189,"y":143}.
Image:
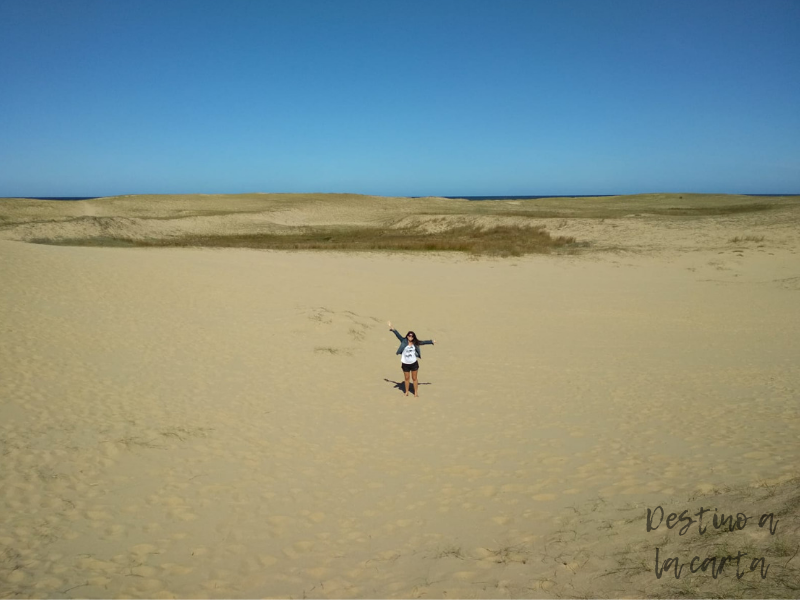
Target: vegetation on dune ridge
{"x":500,"y":240}
{"x":351,"y":222}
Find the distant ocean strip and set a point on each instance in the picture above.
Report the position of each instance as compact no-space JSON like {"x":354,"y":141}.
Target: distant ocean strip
{"x":69,"y":198}
{"x":475,"y":198}
{"x":57,"y":197}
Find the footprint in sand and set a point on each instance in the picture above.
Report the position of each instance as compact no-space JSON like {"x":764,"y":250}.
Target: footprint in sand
{"x":93,"y":564}
{"x":48,"y":583}
{"x":98,"y":515}
{"x":280,"y":521}
{"x":488,"y":490}
{"x":182,"y":515}
{"x":17,"y":576}
{"x":149,"y":586}
{"x":144,"y":571}
{"x":544,"y":497}
{"x":319,"y":573}
{"x":141,"y":550}
{"x":267,"y":560}
{"x":175,"y":569}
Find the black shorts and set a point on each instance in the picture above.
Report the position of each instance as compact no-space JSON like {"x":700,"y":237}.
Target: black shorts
{"x":412,"y":367}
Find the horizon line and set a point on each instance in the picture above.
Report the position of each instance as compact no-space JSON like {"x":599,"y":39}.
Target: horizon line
{"x":454,"y":197}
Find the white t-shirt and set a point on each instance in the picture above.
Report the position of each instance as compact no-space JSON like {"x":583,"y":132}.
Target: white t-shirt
{"x":409,"y":356}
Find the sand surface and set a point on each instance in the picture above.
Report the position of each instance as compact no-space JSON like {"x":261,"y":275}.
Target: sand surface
{"x":228,"y":423}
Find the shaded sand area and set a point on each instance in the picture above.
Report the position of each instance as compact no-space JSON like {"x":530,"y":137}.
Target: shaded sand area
{"x":193,"y":422}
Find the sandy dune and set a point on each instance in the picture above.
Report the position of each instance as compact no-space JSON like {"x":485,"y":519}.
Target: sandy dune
{"x":228,"y":423}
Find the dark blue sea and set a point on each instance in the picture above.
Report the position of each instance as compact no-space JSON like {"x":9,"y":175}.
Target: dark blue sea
{"x":58,"y":197}
{"x":453,"y":197}
{"x":475,"y":198}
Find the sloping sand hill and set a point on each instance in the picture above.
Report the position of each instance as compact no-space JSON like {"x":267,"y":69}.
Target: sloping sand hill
{"x":195,"y":422}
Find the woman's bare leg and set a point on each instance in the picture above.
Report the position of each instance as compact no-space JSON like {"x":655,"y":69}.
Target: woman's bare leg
{"x":416,"y":383}
{"x":406,"y":374}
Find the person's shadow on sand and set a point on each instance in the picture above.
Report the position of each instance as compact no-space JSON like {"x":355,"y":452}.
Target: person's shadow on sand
{"x":401,"y":385}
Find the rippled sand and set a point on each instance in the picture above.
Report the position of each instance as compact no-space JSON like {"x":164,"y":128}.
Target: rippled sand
{"x":228,"y":423}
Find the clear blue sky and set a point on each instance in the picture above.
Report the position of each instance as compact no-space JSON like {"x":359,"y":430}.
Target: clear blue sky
{"x":400,"y":97}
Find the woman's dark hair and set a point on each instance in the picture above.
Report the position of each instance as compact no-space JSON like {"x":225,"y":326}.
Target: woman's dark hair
{"x":416,"y":340}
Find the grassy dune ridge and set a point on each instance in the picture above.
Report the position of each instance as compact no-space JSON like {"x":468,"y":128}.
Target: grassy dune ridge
{"x":497,"y":240}
{"x":353,"y":222}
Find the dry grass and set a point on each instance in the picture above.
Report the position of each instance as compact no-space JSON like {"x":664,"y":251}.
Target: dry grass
{"x":623,"y":210}
{"x":349,"y":222}
{"x":746,"y":238}
{"x":707,"y":211}
{"x":501,"y":240}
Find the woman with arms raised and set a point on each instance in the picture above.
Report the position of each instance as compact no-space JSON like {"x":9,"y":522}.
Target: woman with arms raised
{"x":410,"y":355}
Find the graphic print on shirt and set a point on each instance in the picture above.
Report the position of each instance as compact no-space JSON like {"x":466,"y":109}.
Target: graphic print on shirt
{"x":409,"y":356}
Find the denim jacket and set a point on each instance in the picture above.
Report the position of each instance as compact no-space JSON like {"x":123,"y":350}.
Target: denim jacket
{"x":404,"y":343}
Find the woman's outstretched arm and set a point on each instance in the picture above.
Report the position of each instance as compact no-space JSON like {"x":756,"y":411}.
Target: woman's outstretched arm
{"x":394,"y":331}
